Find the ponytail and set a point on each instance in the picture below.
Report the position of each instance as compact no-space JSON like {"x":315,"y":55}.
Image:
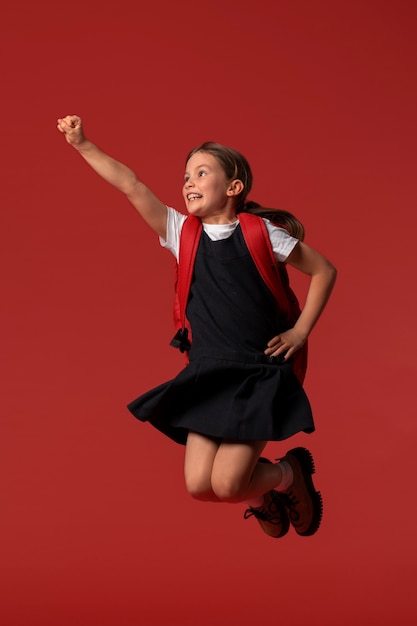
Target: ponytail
{"x":278,"y":217}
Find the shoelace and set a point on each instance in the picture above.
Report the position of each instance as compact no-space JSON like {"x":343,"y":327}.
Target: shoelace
{"x":291,"y":501}
{"x":265,"y":514}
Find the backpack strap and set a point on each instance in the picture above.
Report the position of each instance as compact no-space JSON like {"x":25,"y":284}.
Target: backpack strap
{"x":276,"y":279}
{"x":257,"y":239}
{"x":189,"y":239}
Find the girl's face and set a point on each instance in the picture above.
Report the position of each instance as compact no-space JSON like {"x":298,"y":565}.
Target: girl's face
{"x":207,"y":193}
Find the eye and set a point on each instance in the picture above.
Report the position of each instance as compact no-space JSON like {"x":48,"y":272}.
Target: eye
{"x":202,"y":173}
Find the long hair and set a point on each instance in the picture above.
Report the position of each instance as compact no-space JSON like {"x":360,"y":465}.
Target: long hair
{"x":236,"y":166}
{"x":279,"y":217}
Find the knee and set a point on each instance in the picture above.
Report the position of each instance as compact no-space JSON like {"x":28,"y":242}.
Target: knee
{"x":199,"y":488}
{"x":228,"y":488}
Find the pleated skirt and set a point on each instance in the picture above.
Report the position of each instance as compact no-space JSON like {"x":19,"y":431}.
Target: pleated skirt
{"x":228,"y":398}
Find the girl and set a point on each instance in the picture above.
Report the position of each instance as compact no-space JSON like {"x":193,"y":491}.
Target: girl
{"x":239,"y":390}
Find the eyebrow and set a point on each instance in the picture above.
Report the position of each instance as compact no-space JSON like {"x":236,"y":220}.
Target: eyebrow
{"x":201,"y":165}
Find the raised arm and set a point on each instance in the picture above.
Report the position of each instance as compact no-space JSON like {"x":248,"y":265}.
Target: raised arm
{"x":323,"y":277}
{"x":153,"y":211}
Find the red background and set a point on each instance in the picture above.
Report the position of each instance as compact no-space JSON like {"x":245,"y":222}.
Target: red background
{"x":96,"y":527}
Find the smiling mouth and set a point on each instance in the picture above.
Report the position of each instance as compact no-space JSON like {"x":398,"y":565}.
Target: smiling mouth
{"x":193,"y":196}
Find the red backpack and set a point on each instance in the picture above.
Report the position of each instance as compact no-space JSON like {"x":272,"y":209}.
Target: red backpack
{"x":274,"y":275}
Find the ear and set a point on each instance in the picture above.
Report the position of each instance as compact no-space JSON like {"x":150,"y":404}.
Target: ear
{"x":235,"y":188}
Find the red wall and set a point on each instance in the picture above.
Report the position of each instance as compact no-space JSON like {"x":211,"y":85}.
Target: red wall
{"x":95,"y":525}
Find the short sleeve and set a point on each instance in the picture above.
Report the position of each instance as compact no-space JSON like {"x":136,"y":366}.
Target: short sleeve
{"x":175,"y":221}
{"x":281,"y":241}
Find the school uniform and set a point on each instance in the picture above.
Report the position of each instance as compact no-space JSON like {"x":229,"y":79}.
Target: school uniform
{"x":229,"y":389}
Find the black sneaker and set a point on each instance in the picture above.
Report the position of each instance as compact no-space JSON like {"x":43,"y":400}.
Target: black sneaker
{"x":272,"y":515}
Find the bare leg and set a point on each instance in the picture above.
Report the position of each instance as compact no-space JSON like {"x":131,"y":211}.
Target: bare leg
{"x":237,"y":476}
{"x":200,"y":453}
{"x":224,"y":471}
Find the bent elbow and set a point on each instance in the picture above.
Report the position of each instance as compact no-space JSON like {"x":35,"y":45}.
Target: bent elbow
{"x":332,"y":273}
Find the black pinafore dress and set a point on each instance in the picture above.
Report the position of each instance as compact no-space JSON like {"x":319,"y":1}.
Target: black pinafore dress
{"x":229,"y":390}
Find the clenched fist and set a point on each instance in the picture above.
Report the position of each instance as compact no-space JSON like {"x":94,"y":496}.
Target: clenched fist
{"x":72,"y":127}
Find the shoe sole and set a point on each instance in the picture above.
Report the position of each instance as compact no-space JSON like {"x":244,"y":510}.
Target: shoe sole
{"x":305,"y":459}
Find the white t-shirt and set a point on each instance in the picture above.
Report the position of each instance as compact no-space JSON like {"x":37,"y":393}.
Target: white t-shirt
{"x":282,"y":243}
